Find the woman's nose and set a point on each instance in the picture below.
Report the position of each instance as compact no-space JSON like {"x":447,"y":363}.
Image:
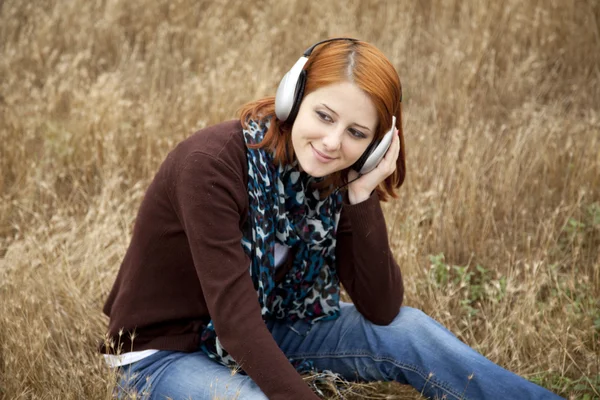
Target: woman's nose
{"x":332,"y":141}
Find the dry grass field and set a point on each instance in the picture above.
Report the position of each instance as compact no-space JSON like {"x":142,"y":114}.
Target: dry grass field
{"x":497,"y":227}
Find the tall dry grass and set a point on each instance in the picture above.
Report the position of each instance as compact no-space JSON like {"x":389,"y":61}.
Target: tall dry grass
{"x":497,"y":228}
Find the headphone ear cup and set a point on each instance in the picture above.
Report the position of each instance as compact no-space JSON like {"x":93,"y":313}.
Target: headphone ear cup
{"x":282,"y":99}
{"x":298,"y":96}
{"x":357,"y":166}
{"x":375,"y":152}
{"x":287,"y":91}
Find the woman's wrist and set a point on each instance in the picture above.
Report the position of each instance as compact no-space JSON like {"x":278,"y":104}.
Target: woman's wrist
{"x":355,"y":197}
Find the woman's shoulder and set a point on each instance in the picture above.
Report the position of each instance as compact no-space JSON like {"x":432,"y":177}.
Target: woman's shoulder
{"x":225,"y":137}
{"x":223,"y":142}
{"x":216,"y":149}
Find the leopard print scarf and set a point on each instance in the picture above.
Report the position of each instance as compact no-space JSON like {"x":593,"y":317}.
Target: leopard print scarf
{"x":284,"y":207}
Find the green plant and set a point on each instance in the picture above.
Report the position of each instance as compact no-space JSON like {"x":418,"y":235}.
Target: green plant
{"x":474,"y":284}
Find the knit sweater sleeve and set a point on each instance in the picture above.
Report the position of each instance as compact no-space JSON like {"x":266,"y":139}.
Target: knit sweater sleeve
{"x":365,"y":263}
{"x":210,"y":198}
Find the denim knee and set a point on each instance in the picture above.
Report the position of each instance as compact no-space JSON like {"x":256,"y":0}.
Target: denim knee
{"x":412,"y":325}
{"x":412,"y":318}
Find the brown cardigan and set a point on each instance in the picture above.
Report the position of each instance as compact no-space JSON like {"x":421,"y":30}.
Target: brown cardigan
{"x":185,"y":264}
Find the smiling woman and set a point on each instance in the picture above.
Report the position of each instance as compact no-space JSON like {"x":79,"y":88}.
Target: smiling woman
{"x":247,"y":233}
{"x":335,"y":70}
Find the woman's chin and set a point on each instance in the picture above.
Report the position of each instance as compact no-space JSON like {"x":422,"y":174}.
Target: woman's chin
{"x":313,"y":170}
{"x":318,"y":169}
{"x":320,"y":172}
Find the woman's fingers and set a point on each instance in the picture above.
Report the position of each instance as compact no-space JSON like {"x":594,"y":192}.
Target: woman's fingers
{"x":368,"y":182}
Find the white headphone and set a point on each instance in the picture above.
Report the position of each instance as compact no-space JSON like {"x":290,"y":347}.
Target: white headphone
{"x":289,"y":96}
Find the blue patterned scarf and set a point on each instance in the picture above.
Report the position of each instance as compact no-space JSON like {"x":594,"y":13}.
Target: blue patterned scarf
{"x":284,"y":207}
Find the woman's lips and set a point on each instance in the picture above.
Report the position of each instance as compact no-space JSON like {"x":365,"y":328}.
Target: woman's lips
{"x":320,"y":156}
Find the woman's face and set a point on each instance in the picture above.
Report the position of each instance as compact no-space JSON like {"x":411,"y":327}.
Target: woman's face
{"x":333,"y":128}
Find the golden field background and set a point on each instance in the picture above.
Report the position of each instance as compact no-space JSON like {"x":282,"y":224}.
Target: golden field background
{"x":497,"y":227}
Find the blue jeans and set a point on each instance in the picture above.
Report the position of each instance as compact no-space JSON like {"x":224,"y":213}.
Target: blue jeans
{"x":414,"y":349}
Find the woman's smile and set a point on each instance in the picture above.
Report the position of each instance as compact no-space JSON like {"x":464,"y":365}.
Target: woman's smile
{"x":321,"y":157}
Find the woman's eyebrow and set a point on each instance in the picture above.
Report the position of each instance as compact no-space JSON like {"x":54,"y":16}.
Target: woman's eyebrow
{"x":333,"y":112}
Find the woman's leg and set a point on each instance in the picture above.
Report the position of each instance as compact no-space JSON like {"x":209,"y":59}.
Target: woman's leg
{"x":178,"y":376}
{"x":414,"y":349}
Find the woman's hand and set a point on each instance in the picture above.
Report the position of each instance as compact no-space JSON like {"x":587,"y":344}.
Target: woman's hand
{"x":361,"y":188}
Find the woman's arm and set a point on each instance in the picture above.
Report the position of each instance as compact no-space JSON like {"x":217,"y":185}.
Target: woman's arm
{"x":210,"y":199}
{"x":365,"y":263}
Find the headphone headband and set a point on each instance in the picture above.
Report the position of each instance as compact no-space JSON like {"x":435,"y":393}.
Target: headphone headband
{"x":309,"y":51}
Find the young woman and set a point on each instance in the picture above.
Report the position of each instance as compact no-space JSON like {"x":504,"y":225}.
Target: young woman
{"x":249,"y":228}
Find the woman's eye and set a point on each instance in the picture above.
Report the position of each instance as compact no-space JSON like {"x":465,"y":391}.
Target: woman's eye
{"x":324,"y":116}
{"x":357,"y":134}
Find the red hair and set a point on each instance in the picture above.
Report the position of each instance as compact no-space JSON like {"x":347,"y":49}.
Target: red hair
{"x":341,"y":61}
